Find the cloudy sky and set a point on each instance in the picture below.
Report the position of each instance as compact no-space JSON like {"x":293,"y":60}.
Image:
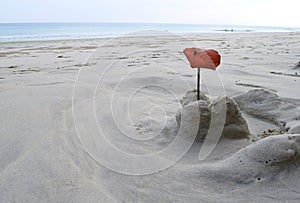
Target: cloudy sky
{"x":235,"y":12}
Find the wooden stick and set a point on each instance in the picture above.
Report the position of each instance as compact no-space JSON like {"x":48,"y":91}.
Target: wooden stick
{"x":198,"y":84}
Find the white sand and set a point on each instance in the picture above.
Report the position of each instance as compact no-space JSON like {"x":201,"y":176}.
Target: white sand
{"x":41,"y":155}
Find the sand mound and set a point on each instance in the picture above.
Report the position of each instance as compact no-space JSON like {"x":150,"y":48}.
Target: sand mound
{"x":267,"y":105}
{"x":262,"y":159}
{"x":235,"y":125}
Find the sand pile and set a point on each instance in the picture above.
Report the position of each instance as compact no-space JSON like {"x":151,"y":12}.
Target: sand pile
{"x":262,"y":160}
{"x":268,"y":106}
{"x":235,"y":126}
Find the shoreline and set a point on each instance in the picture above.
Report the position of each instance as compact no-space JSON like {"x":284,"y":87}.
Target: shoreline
{"x":124,"y":36}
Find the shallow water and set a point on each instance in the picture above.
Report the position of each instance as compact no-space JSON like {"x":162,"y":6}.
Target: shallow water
{"x":52,"y":31}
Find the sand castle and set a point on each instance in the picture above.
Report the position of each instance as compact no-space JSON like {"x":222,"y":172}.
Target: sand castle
{"x":262,"y":159}
{"x":235,"y":125}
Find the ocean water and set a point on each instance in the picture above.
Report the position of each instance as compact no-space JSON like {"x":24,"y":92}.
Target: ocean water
{"x":56,"y":31}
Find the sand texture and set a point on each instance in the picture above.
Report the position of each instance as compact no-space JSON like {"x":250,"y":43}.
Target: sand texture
{"x":63,"y":104}
{"x":235,"y":126}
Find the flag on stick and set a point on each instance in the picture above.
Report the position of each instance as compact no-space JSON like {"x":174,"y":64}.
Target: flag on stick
{"x":201,"y":58}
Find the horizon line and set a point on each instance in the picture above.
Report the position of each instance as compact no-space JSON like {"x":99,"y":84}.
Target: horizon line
{"x":175,"y":23}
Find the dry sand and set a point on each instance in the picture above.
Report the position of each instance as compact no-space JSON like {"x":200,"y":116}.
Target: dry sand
{"x":55,"y":95}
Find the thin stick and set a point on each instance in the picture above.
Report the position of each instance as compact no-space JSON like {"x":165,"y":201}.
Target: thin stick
{"x":198,"y":84}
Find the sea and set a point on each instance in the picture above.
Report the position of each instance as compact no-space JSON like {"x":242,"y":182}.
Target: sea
{"x":59,"y":31}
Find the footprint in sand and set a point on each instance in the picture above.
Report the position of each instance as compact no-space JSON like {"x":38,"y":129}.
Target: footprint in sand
{"x":188,"y":75}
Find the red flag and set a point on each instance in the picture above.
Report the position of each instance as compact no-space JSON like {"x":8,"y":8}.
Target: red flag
{"x":201,"y":58}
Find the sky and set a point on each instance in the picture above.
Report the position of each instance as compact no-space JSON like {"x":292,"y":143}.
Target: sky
{"x":283,"y":13}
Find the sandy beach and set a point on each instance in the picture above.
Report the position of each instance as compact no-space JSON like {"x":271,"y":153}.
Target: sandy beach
{"x":57,"y":97}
